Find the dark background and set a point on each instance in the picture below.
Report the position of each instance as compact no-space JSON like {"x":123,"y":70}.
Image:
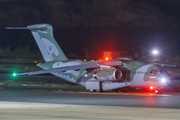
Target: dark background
{"x":127,"y":26}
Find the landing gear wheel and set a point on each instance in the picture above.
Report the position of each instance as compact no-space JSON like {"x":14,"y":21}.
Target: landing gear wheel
{"x":158,"y":91}
{"x":93,"y":90}
{"x":100,"y":86}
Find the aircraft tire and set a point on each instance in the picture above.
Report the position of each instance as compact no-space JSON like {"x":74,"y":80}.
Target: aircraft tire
{"x":93,"y":90}
{"x":100,"y":86}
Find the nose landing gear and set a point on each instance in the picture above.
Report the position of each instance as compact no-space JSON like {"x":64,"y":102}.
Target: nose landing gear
{"x":158,"y":91}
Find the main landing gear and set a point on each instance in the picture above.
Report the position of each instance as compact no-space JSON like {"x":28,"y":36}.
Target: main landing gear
{"x":100,"y":88}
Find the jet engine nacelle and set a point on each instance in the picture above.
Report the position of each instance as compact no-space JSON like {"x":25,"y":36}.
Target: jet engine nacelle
{"x":108,"y":74}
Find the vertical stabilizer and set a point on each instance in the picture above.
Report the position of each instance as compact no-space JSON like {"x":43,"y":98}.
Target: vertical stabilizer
{"x":43,"y":35}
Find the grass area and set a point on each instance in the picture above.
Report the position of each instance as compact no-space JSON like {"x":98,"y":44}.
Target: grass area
{"x":30,"y":84}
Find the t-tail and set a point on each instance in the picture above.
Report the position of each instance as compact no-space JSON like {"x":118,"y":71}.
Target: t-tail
{"x":43,"y":35}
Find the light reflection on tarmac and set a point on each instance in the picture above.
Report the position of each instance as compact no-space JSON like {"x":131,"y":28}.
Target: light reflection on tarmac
{"x":130,"y":93}
{"x":51,"y":105}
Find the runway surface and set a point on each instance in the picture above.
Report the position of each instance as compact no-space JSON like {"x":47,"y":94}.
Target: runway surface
{"x":53,"y":105}
{"x":133,"y":99}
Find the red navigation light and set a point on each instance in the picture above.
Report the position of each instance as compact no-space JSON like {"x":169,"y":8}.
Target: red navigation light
{"x":107,"y":58}
{"x":151,"y":87}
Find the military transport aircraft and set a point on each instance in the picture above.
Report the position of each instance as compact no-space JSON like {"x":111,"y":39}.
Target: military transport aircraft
{"x":95,"y":75}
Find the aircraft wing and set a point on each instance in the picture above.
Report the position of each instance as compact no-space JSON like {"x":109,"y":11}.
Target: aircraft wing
{"x":165,"y":65}
{"x":74,"y":67}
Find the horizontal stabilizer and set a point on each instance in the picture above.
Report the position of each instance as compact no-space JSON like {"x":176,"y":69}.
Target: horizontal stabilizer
{"x":28,"y":28}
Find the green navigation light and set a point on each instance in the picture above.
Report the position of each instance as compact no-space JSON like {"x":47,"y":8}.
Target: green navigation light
{"x":14,"y":74}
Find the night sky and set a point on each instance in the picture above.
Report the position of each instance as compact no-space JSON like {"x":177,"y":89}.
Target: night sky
{"x":127,"y":26}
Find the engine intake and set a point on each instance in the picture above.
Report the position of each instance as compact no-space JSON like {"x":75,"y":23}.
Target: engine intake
{"x":108,"y":74}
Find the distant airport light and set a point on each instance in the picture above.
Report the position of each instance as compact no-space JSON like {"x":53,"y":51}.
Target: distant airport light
{"x":155,"y":52}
